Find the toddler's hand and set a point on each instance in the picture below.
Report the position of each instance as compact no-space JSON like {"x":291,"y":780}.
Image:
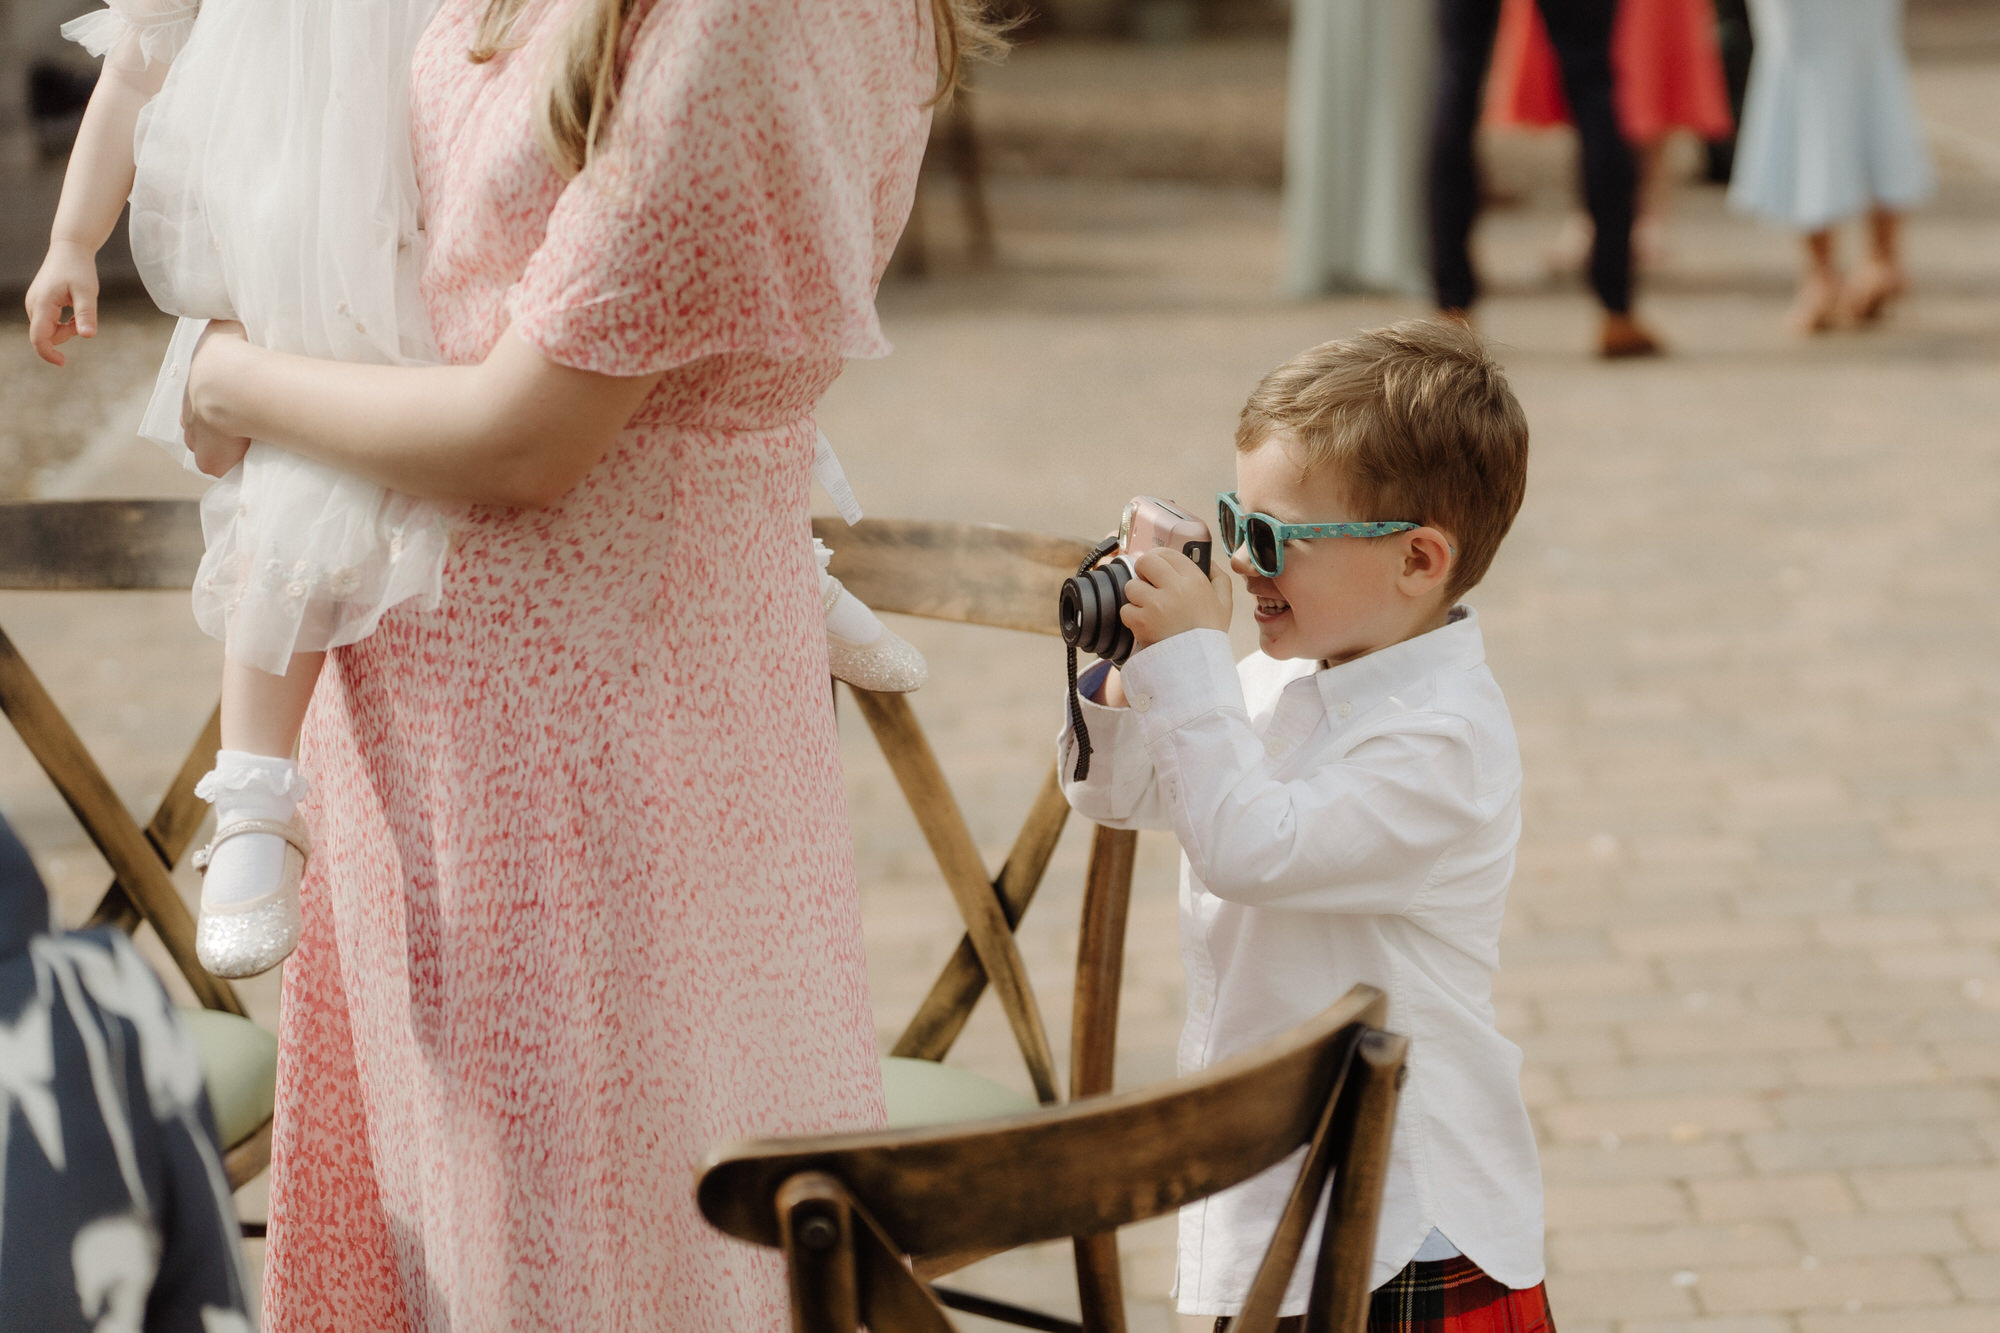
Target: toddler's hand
{"x":215,"y":450}
{"x":68,"y":277}
{"x":1169,"y":595}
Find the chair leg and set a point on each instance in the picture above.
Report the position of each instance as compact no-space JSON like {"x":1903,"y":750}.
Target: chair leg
{"x":912,"y":257}
{"x":916,"y":768}
{"x":1100,"y":962}
{"x":1100,"y":1289}
{"x":1107,"y":895}
{"x":968,"y":164}
{"x":1339,"y":1301}
{"x":89,"y":794}
{"x":171,"y":828}
{"x":1003,"y":1312}
{"x":946,"y":1009}
{"x":842,"y":1269}
{"x":817,"y":1223}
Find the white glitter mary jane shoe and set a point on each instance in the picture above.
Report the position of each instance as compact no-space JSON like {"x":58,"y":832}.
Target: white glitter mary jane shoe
{"x":860,"y":649}
{"x":244,"y":939}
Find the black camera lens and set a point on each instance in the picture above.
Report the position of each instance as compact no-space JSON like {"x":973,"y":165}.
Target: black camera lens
{"x":1087,"y":611}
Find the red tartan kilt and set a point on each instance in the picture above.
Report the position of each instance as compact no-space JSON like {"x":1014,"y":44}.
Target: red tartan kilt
{"x":1456,"y":1296}
{"x":1446,"y":1296}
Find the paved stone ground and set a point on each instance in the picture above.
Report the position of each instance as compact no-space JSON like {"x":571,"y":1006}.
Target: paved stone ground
{"x":1745,"y":623}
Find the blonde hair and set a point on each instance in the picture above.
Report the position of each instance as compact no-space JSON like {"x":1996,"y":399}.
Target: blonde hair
{"x":1418,"y":423}
{"x":584,"y":70}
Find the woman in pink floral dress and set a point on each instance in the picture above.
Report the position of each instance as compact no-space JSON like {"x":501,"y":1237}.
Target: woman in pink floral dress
{"x":583,"y":898}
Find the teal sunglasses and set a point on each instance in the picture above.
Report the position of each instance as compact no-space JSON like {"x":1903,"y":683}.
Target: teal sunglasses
{"x":1266,"y":536}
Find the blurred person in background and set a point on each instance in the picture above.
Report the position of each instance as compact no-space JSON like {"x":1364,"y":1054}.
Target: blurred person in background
{"x":1732,"y":37}
{"x":1667,"y":67}
{"x":114,"y":1210}
{"x":1580,"y":30}
{"x":1830,"y":132}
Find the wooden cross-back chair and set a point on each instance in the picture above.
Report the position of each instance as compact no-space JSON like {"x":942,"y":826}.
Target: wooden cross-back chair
{"x":134,"y":545}
{"x":979,"y":574}
{"x":856,"y":1214}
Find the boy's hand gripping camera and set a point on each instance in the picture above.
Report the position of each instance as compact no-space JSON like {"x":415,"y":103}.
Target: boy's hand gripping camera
{"x":1088,"y":606}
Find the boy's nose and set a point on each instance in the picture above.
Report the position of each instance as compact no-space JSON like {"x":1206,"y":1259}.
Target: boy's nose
{"x":1239,"y":560}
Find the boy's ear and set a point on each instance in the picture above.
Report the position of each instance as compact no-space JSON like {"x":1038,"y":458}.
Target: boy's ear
{"x":1428,"y":556}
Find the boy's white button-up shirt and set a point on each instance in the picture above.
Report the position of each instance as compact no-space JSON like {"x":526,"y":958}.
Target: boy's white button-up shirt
{"x":1349,"y":824}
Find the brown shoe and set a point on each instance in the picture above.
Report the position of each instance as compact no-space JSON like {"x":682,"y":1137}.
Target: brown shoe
{"x":1623,"y":336}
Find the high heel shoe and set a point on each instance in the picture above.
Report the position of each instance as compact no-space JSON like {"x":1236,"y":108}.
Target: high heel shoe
{"x":244,"y":939}
{"x":860,"y":649}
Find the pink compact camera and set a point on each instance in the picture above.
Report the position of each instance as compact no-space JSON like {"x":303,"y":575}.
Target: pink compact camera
{"x":1087,"y":609}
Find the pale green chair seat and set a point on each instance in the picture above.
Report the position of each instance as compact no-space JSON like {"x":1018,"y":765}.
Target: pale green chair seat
{"x":924,"y":1092}
{"x":240,"y":1061}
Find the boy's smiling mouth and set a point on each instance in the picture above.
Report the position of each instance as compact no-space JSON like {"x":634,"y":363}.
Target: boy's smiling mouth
{"x":1270,"y":608}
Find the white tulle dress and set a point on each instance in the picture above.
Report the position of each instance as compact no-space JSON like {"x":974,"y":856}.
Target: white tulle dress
{"x":275,"y":186}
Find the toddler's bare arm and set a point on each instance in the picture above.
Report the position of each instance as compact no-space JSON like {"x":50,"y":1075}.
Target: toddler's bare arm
{"x":93,"y":194}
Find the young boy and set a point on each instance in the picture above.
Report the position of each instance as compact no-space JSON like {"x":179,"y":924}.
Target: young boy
{"x":1347,"y":799}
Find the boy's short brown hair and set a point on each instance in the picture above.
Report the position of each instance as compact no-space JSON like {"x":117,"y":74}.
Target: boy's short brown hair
{"x":1418,"y":422}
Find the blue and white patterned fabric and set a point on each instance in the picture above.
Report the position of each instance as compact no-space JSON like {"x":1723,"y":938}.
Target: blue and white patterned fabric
{"x":115,"y":1215}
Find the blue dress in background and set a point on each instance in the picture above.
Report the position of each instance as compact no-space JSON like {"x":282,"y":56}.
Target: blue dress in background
{"x":1829,"y":126}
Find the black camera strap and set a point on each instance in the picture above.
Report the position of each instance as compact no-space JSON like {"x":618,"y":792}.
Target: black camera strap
{"x":1082,"y":733}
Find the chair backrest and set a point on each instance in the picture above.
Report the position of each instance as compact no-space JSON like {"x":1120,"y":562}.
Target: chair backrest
{"x":980,"y":574}
{"x":99,"y":545}
{"x":849,"y":1209}
{"x":972,"y":573}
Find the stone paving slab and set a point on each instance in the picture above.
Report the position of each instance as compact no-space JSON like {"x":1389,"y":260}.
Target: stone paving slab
{"x":1753,"y":952}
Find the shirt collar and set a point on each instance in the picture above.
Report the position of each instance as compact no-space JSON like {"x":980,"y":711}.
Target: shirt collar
{"x":1367,"y":681}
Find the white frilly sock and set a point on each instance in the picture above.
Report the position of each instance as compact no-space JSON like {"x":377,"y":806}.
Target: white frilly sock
{"x":248,"y":786}
{"x":849,"y":617}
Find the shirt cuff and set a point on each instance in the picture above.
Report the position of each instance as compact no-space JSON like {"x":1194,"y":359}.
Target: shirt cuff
{"x":1182,"y":678}
{"x":1105,"y":722}
{"x":1117,"y":746}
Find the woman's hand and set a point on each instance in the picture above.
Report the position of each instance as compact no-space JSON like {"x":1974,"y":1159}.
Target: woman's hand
{"x":216,"y":450}
{"x":67,"y":281}
{"x":1169,"y":595}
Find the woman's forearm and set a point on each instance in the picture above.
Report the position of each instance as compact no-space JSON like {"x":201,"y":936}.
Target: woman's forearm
{"x":515,"y":429}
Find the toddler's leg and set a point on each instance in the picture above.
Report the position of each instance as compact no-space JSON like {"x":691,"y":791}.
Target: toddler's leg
{"x":249,"y":895}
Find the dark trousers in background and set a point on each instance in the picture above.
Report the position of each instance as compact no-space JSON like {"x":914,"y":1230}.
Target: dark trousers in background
{"x":1580,"y":31}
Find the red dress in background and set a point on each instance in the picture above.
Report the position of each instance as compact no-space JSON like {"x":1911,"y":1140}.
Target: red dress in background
{"x":1664,"y":55}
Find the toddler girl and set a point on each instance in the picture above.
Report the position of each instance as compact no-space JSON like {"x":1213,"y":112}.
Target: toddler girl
{"x":265,"y":145}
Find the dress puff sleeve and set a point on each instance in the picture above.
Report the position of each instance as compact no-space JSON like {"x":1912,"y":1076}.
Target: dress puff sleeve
{"x":759,"y":165}
{"x":161,"y":26}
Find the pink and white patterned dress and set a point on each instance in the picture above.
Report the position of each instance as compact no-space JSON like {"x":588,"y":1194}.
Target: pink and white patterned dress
{"x":583,"y":903}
